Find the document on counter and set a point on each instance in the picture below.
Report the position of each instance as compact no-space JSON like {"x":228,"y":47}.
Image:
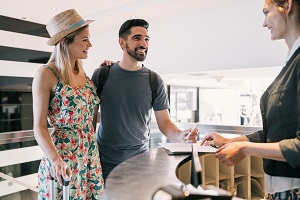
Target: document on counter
{"x":185,"y":148}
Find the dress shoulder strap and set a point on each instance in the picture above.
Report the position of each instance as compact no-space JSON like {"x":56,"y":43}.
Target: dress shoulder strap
{"x":55,"y":74}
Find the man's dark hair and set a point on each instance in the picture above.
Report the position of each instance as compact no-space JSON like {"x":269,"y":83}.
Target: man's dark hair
{"x":126,"y":26}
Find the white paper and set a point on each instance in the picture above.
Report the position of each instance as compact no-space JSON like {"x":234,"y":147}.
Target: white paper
{"x":186,"y":148}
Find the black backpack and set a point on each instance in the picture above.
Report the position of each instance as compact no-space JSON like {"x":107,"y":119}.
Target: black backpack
{"x":103,"y":74}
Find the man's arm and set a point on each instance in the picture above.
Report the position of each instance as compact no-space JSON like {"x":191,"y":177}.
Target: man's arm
{"x":170,"y":130}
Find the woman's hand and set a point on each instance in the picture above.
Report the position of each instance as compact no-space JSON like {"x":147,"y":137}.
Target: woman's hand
{"x":214,"y":139}
{"x":232,"y":153}
{"x":59,"y":170}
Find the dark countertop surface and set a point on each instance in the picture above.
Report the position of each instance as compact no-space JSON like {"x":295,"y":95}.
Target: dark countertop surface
{"x":140,"y":176}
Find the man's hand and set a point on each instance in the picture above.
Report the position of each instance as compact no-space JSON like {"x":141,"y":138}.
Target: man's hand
{"x":106,"y":63}
{"x":192,"y":135}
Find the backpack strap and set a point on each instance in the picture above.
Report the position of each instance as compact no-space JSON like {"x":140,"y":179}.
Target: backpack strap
{"x":103,"y":74}
{"x":153,"y":84}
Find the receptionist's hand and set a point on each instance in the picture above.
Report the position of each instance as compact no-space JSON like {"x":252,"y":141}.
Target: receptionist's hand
{"x":232,"y":153}
{"x":213,"y":139}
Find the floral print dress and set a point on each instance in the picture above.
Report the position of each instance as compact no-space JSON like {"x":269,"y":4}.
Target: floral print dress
{"x":71,"y":113}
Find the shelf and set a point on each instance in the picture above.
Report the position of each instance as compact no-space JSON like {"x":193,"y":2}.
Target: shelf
{"x":246,"y":179}
{"x":223,"y":176}
{"x":256,"y":173}
{"x":256,"y":196}
{"x":209,"y":180}
{"x":257,"y":186}
{"x":238,"y":175}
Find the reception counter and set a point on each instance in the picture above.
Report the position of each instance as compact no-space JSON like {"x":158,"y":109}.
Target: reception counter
{"x":139,"y":177}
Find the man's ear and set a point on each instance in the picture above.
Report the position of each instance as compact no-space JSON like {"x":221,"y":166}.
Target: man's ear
{"x":122,"y":43}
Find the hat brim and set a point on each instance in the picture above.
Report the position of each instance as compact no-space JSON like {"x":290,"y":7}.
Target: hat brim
{"x":57,"y":37}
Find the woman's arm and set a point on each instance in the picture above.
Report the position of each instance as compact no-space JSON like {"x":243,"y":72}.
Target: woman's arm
{"x":215,"y":139}
{"x":232,"y":153}
{"x":41,"y":88}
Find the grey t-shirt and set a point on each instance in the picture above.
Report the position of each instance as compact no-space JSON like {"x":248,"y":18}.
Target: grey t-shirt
{"x":126,"y":113}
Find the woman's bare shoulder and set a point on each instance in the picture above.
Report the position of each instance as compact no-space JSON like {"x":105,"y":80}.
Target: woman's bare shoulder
{"x":46,"y":76}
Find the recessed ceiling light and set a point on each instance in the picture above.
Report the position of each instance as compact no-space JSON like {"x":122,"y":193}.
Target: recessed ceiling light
{"x":96,"y":25}
{"x":132,"y":16}
{"x":197,"y":74}
{"x":217,"y":78}
{"x":53,"y":8}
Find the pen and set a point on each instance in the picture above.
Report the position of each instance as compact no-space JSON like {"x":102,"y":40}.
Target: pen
{"x":191,"y":131}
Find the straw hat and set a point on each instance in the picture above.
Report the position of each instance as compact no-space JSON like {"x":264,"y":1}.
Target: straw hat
{"x":63,"y":24}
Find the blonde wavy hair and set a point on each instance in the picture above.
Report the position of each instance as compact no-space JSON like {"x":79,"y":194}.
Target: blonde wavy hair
{"x":61,"y":57}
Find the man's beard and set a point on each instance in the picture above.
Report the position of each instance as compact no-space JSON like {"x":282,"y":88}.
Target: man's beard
{"x":136,"y":55}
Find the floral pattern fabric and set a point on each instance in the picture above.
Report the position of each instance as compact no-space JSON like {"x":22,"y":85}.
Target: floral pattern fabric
{"x":286,"y":195}
{"x":71,"y":113}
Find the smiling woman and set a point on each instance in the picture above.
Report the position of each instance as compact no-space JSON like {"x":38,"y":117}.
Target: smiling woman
{"x":279,"y":140}
{"x":64,"y":95}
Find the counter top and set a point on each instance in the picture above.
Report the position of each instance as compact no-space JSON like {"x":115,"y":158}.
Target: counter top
{"x":140,"y":176}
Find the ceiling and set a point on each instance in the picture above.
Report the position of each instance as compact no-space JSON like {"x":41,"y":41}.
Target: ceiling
{"x":107,"y":13}
{"x":41,"y":11}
